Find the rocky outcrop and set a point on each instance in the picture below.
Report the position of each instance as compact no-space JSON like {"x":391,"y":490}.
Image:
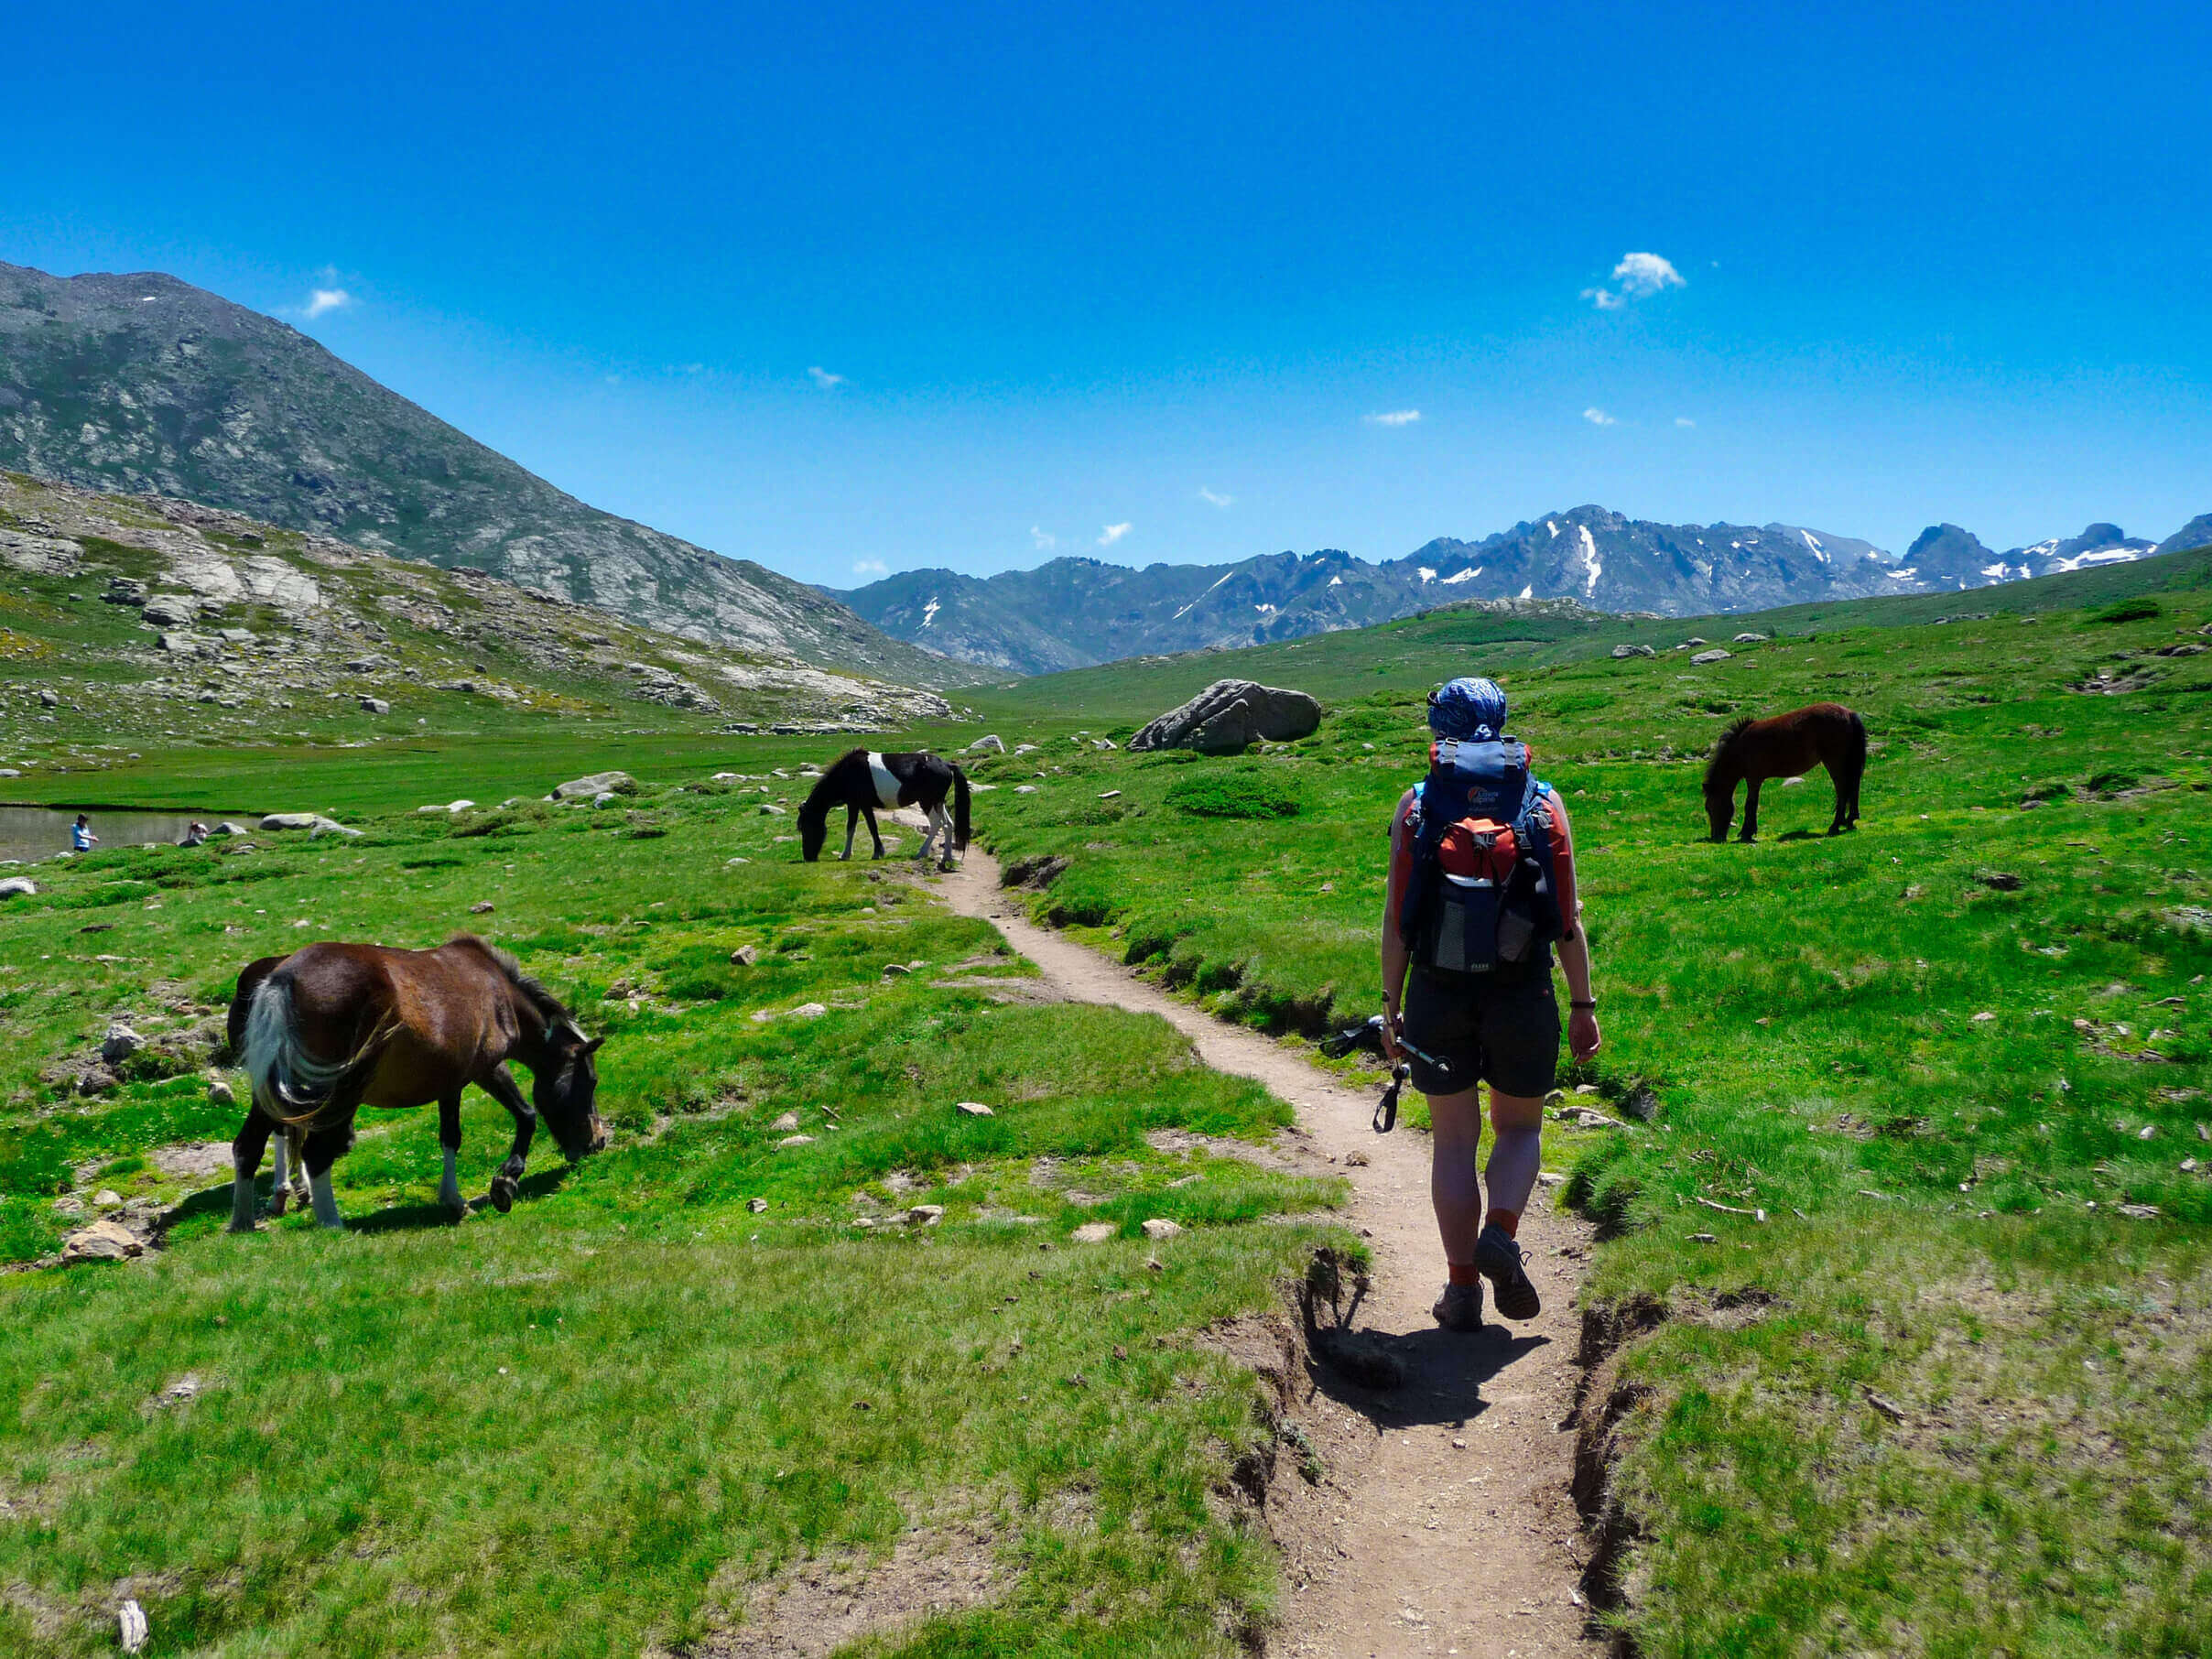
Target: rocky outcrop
{"x":1229,"y":715}
{"x":227,"y":613}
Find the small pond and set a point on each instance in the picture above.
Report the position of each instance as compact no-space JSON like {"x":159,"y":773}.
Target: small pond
{"x":30,"y":833}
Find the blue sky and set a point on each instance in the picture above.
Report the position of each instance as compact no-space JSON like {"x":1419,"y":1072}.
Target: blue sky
{"x":848,"y":288}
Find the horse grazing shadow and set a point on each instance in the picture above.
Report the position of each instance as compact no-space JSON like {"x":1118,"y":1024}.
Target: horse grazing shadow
{"x":418,"y":1217}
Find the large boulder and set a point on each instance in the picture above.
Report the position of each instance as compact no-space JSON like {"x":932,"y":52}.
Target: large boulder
{"x":1622,"y":653}
{"x":1228,"y":715}
{"x":598,"y":783}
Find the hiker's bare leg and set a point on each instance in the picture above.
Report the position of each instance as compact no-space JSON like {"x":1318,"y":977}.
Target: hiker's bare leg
{"x":1456,"y":1125}
{"x":1516,"y":1150}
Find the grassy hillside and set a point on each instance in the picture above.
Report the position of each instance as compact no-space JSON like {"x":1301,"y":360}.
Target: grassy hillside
{"x":1420,"y":651}
{"x":1948,"y":1396}
{"x":618,"y":1418}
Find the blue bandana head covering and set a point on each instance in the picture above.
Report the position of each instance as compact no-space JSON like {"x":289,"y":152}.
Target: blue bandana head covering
{"x":1467,"y":710}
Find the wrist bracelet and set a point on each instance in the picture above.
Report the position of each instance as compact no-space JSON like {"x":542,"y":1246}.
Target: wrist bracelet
{"x":1591,"y":1005}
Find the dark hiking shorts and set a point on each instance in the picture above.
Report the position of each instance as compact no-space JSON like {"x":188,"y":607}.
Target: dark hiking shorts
{"x":1502,"y":1033}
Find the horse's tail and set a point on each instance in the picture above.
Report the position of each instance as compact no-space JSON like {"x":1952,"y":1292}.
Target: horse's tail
{"x":960,"y":808}
{"x":289,"y":1084}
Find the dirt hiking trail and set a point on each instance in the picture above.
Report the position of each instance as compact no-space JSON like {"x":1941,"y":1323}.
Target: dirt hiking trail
{"x":1442,"y":1524}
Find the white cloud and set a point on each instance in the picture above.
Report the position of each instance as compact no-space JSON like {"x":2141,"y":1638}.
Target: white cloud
{"x":327,"y":300}
{"x":1598,"y":417}
{"x":1684,"y":420}
{"x":823,"y":379}
{"x":870,"y":567}
{"x":1045,"y":541}
{"x":1214,"y":497}
{"x":1640,"y":277}
{"x":1395,"y":417}
{"x":1111,"y":534}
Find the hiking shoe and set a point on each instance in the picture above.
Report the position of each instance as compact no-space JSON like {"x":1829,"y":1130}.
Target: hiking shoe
{"x":1459,"y":1307}
{"x":1498,"y":1258}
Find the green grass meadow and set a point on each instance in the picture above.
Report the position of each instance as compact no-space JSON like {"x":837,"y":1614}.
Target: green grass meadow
{"x":1956,"y":1059}
{"x":1949,"y":1397}
{"x":589,"y":1426}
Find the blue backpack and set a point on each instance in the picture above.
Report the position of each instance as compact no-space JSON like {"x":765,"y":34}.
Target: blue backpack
{"x":1484,"y":892}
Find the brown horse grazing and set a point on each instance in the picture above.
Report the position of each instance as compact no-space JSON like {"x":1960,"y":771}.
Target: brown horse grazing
{"x":1789,"y":745}
{"x":332,"y":1027}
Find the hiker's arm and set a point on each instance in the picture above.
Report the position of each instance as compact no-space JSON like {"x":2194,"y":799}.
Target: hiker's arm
{"x":1583,"y":1038}
{"x":1394,"y":952}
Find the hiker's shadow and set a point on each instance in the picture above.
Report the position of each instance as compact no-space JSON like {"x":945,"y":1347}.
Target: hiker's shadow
{"x":1399,"y":1379}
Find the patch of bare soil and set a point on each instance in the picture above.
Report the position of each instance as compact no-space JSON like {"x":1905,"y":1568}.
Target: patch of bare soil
{"x":1430,"y":1513}
{"x":819,"y":1605}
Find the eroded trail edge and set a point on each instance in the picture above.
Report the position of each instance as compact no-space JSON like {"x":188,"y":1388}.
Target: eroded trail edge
{"x":1443,"y":1524}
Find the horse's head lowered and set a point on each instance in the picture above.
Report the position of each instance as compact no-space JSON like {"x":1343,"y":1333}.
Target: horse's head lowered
{"x":1722,"y":774}
{"x":563,"y":1089}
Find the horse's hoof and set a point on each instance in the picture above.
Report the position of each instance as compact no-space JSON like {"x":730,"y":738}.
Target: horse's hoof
{"x":277,"y":1203}
{"x":503,"y":1194}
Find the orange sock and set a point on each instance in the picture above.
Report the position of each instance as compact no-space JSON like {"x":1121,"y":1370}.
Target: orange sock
{"x":1463,"y":1273}
{"x":1508,"y":1222}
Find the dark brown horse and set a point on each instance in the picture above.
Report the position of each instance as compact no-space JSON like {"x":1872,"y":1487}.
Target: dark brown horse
{"x":1789,"y":745}
{"x":332,"y":1027}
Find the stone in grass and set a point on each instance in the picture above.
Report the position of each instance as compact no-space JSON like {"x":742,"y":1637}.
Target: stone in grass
{"x":974,"y":1109}
{"x":597,"y":783}
{"x":375,"y":705}
{"x":290,"y":820}
{"x":220,"y":1094}
{"x":988,"y":746}
{"x":120,"y":1043}
{"x":107,"y":1240}
{"x":925,"y":1215}
{"x":1160,"y":1228}
{"x":481,"y":908}
{"x":1983,"y":1017}
{"x":1622,"y":653}
{"x":1715,"y":655}
{"x":797,"y":1140}
{"x":18,"y":886}
{"x":789,"y":1120}
{"x":744,"y":956}
{"x":130,"y":1627}
{"x":756,"y":1205}
{"x":1094,"y":1232}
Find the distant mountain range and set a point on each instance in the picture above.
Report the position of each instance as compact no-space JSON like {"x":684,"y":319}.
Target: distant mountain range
{"x":1074,"y":613}
{"x":146,"y":384}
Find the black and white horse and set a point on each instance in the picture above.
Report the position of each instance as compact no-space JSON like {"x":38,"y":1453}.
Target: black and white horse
{"x":863,"y":780}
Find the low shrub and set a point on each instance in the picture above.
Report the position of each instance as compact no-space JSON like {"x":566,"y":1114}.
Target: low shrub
{"x":1235,"y":792}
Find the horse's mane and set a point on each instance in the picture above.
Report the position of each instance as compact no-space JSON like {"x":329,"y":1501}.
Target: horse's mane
{"x":824,"y":795}
{"x":1721,"y":745}
{"x":544,"y":1001}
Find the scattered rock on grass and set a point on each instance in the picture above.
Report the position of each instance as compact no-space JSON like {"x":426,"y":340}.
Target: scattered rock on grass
{"x":744,"y":956}
{"x":756,"y":1205}
{"x":1161,"y":1228}
{"x":481,"y":908}
{"x":974,"y":1109}
{"x":988,"y":746}
{"x":120,"y":1043}
{"x":1621,"y":653}
{"x":104,"y":1241}
{"x":598,"y":783}
{"x":18,"y":886}
{"x":220,"y":1094}
{"x":926,"y":1214}
{"x":1094,"y":1232}
{"x":1999,"y":880}
{"x":1714,"y":655}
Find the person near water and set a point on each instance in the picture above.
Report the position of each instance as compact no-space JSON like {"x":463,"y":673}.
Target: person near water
{"x":81,"y":839}
{"x":1499,"y":1027}
{"x":195,"y":835}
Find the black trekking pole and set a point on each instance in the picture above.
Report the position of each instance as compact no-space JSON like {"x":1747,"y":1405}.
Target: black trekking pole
{"x":1386,"y":1109}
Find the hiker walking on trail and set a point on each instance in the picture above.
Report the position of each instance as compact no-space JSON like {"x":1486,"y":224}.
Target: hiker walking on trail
{"x":1481,"y":887}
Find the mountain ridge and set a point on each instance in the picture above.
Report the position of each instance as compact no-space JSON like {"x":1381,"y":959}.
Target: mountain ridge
{"x":1079,"y":611}
{"x":145,"y":385}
